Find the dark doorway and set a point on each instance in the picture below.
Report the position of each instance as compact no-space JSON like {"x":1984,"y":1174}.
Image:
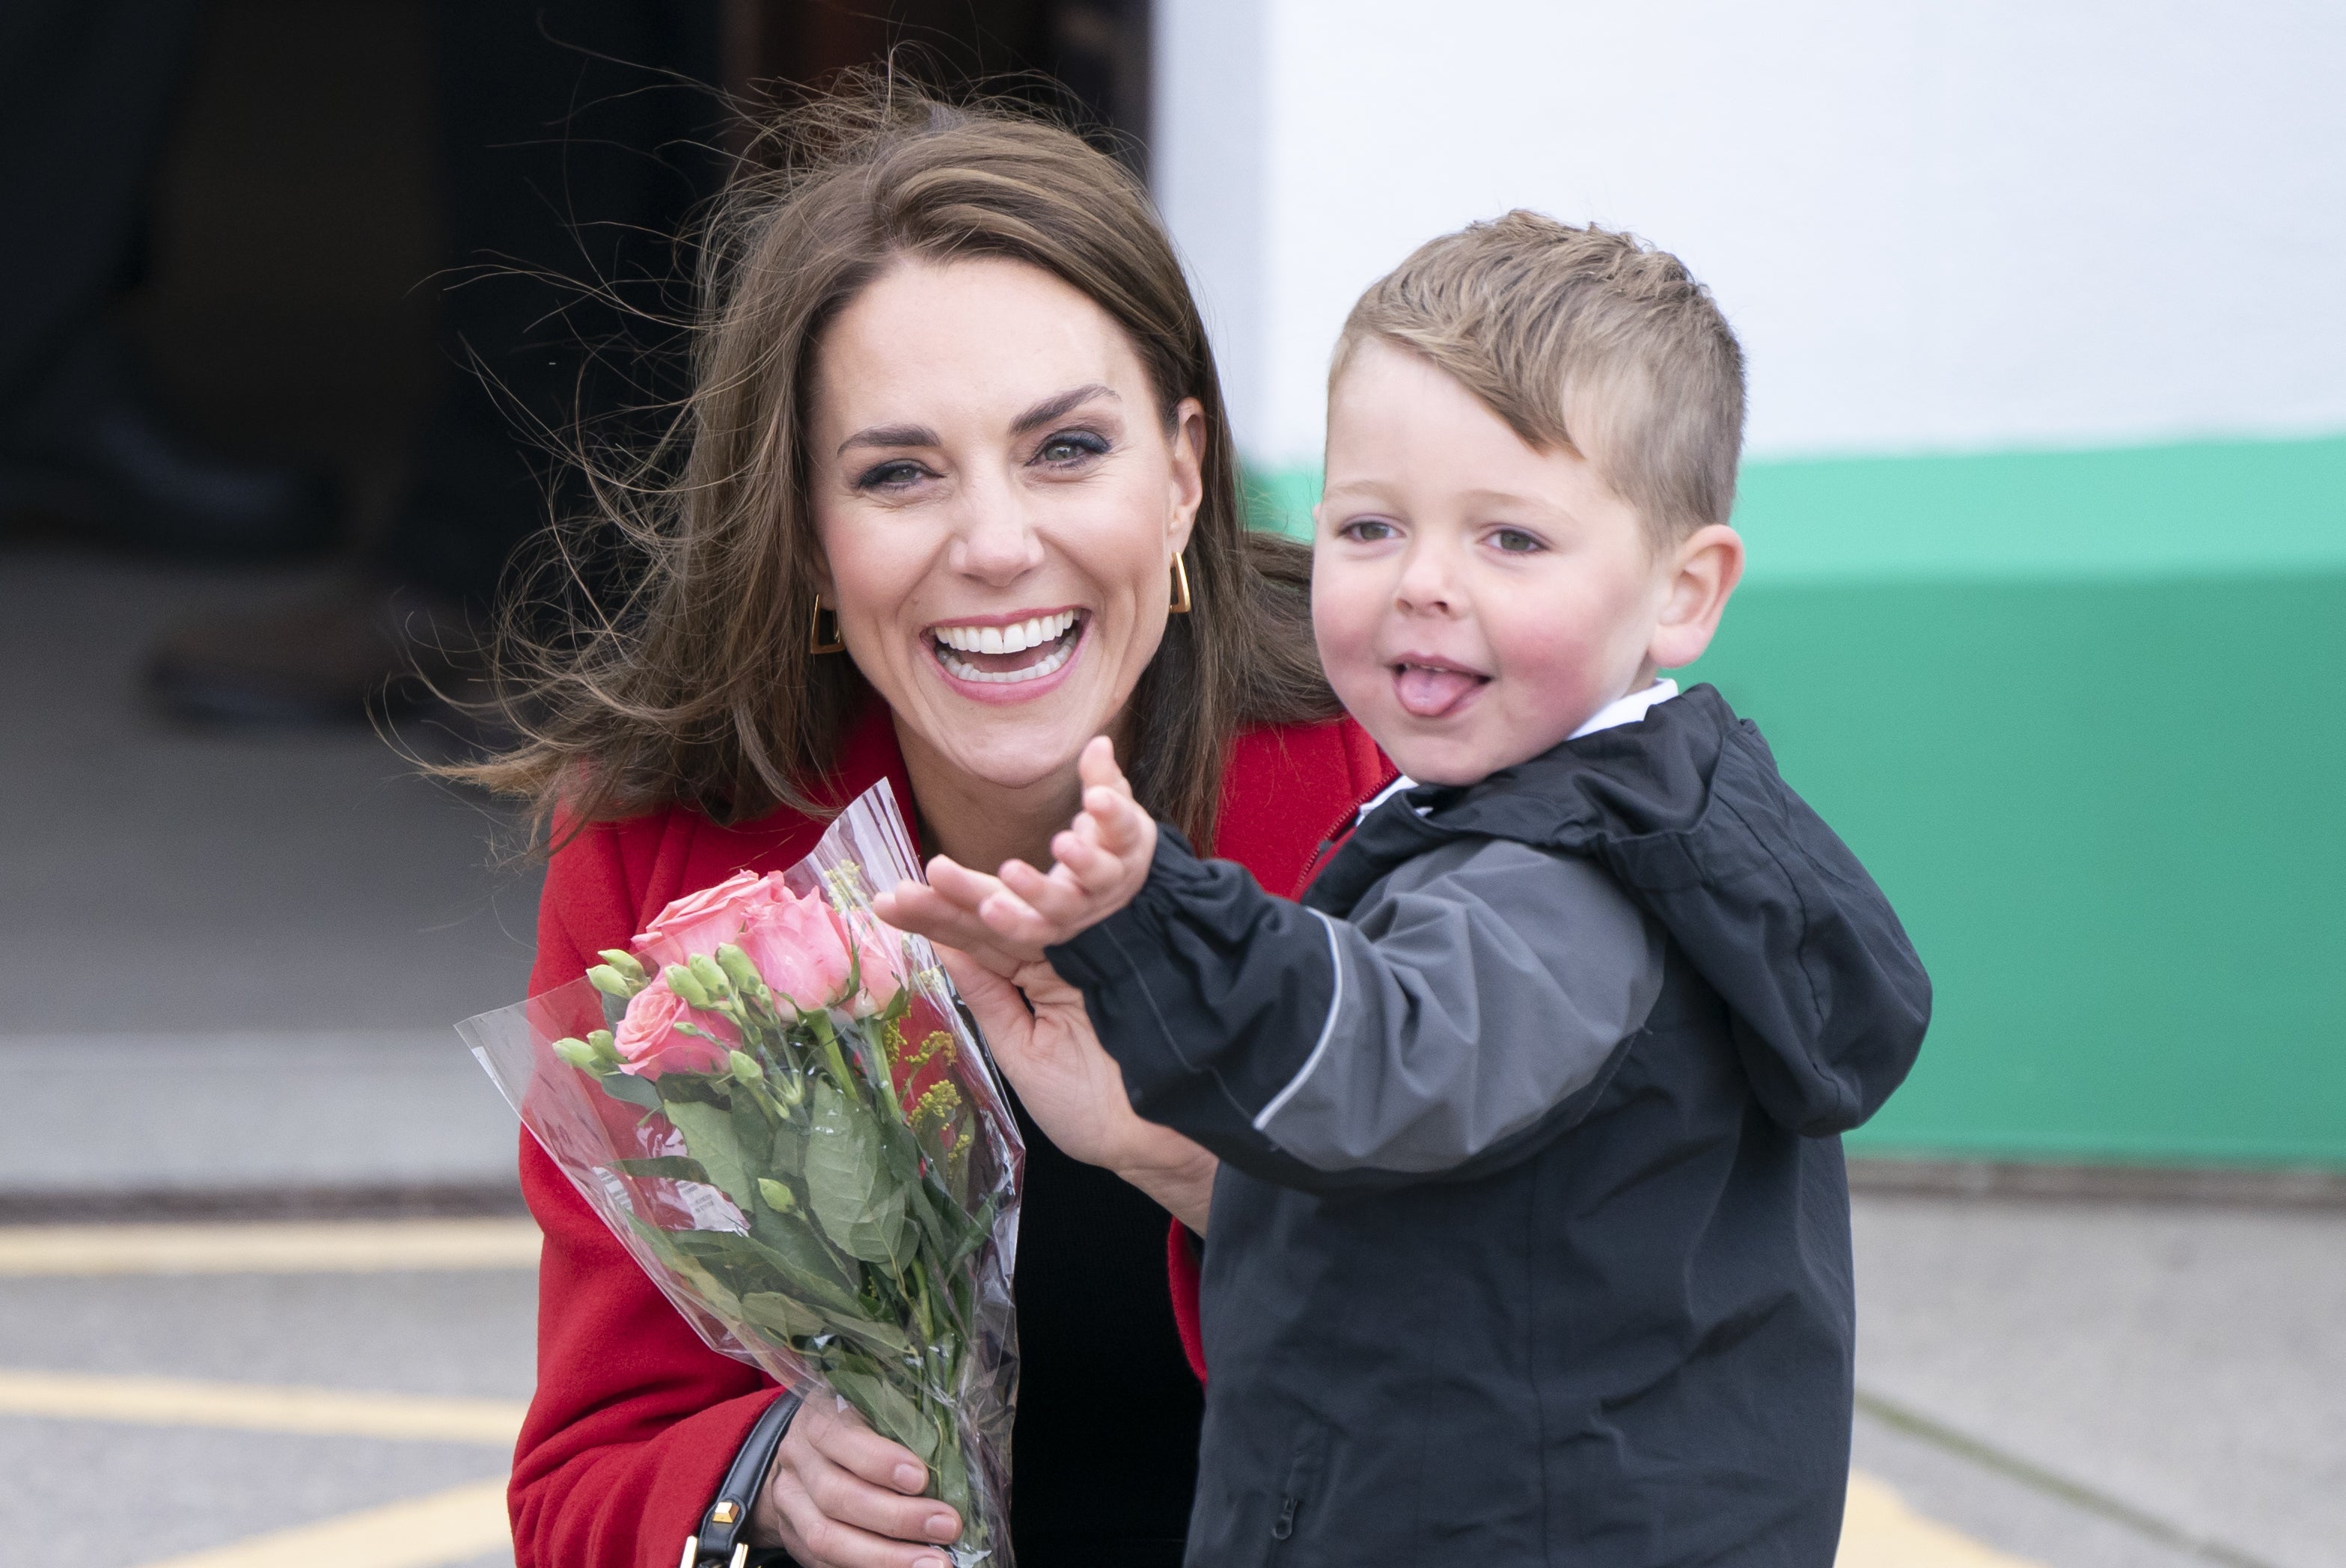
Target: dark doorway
{"x":293,"y":265}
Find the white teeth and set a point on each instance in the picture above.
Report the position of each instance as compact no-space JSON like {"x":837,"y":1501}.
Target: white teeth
{"x":1028,"y":634}
{"x":962,"y":669}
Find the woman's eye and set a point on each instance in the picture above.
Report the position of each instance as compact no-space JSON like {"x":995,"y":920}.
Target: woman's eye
{"x":893,"y":475}
{"x":1368,"y":530}
{"x":1516,"y":541}
{"x":1070,"y":446}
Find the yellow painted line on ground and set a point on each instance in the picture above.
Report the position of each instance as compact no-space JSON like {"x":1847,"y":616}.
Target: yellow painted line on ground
{"x":449,"y":1526}
{"x":252,"y":1407}
{"x":1878,"y":1531}
{"x":369,"y":1246}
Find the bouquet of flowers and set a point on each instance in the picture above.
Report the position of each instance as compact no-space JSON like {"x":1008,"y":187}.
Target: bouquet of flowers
{"x":776,"y":1105}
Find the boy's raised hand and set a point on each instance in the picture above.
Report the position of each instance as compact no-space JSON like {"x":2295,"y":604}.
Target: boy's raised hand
{"x":1100,"y":861}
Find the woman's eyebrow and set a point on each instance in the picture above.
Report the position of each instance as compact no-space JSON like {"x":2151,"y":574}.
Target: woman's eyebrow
{"x":891,"y":435}
{"x":1054,"y":407}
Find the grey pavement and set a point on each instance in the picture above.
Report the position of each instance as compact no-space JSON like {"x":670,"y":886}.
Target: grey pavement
{"x":2187,"y":1364}
{"x":113,"y":1495}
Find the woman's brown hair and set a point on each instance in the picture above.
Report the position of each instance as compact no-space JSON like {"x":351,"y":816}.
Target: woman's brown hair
{"x":695,"y":683}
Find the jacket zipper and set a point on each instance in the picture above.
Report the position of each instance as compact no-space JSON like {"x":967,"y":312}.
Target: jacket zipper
{"x":1338,"y":832}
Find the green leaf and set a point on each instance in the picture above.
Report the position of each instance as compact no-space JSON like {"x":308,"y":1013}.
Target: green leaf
{"x":953,"y":1478}
{"x":773,"y":1310}
{"x":798,"y":1257}
{"x":753,"y":1132}
{"x":861,"y":1205}
{"x":891,"y":1412}
{"x":884,"y":1337}
{"x":678,"y":1256}
{"x":709,"y":1133}
{"x":632,"y":1089}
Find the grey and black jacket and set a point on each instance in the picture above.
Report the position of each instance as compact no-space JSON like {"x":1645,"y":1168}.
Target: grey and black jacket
{"x":1531,"y":1243}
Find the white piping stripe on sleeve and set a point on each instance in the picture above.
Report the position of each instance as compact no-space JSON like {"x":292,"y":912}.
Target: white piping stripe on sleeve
{"x":1326,"y":1030}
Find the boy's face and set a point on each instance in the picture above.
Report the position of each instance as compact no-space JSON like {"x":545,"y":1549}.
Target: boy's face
{"x":1476,"y":600}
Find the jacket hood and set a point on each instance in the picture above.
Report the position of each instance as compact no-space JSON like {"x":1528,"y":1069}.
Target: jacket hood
{"x":1687,"y":811}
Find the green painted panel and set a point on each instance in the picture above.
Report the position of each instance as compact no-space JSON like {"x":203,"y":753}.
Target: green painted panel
{"x":2191,"y":510}
{"x":2111,"y":816}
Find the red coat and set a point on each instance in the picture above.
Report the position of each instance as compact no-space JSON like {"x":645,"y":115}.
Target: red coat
{"x":635,"y":1419}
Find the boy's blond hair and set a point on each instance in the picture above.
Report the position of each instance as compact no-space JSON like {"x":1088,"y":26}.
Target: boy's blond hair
{"x":1581,"y":338}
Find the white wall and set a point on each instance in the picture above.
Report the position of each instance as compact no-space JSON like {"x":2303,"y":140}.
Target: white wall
{"x":1955,"y":226}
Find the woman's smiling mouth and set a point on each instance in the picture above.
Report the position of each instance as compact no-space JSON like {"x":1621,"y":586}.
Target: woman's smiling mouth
{"x":998,"y":653}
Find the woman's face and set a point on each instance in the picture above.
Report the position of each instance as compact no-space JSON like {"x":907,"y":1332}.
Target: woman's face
{"x":999,"y":500}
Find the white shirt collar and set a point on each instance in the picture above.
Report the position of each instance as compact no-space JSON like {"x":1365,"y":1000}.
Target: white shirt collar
{"x":1626,"y":710}
{"x":1622,"y":710}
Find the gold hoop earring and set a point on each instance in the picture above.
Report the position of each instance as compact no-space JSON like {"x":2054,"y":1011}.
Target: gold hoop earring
{"x":1180,"y":588}
{"x":815,"y":645}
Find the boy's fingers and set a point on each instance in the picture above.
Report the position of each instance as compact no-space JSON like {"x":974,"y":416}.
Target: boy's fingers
{"x":1010,"y":918}
{"x":1123,"y":825}
{"x":958,"y":883}
{"x":924,"y":911}
{"x":1096,"y":764}
{"x":1093,"y":870}
{"x":1047,"y":908}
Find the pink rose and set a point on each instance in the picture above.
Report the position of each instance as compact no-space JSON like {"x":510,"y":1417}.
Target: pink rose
{"x":877,"y":953}
{"x":699,"y":923}
{"x":651,"y":1042}
{"x":797,"y":948}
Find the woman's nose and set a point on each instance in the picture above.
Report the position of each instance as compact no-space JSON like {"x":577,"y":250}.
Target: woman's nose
{"x":996,"y":542}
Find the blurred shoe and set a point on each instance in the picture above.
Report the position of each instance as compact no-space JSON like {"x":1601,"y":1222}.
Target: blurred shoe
{"x":360,"y":648}
{"x":90,"y":456}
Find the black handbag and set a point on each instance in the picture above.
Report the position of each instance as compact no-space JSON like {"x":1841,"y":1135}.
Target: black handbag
{"x":717,"y":1542}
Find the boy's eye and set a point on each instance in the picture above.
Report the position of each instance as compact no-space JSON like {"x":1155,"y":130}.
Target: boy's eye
{"x":1368,"y":530}
{"x":1071,"y":446}
{"x":890,"y":475}
{"x":1516,"y":541}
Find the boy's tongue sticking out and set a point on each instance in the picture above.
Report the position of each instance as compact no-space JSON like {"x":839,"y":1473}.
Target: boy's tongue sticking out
{"x":1429,"y":690}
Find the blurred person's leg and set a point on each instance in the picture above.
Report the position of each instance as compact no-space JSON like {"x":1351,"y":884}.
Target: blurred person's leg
{"x":574,"y":144}
{"x":87,"y":90}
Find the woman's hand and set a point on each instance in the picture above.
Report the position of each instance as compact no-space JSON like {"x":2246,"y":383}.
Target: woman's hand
{"x":838,"y":1495}
{"x":1040,"y":1034}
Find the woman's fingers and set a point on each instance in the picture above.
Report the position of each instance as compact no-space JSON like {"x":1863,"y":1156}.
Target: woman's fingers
{"x":998,"y":1006}
{"x":839,"y":1435}
{"x":817,"y":1539}
{"x":845,"y":1497}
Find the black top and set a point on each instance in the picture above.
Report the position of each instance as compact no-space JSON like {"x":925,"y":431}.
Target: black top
{"x":1104,"y":1454}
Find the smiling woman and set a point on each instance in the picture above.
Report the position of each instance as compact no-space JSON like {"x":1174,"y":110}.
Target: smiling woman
{"x":954,"y":495}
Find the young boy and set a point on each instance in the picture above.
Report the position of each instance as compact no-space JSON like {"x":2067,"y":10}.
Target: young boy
{"x":1531,"y":1240}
